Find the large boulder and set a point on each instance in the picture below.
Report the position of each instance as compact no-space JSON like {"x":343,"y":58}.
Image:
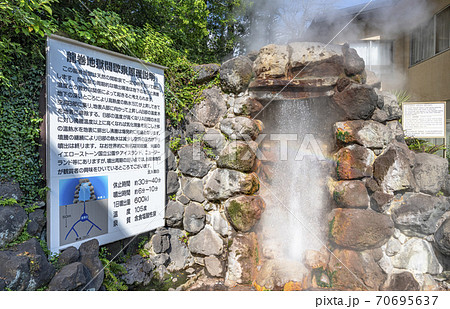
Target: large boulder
{"x":68,"y":256}
{"x":369,"y":133}
{"x":37,"y":222}
{"x":353,"y":64}
{"x":12,"y":221}
{"x":180,"y":257}
{"x":357,"y":101}
{"x":393,"y":168}
{"x":355,"y":271}
{"x":417,"y":214}
{"x":238,"y":156}
{"x":244,"y":211}
{"x":272,"y":61}
{"x":358,"y":229}
{"x":215,"y":140}
{"x":225,"y":183}
{"x":354,"y":162}
{"x":193,"y":161}
{"x":417,"y":256}
{"x":172,"y":184}
{"x":10,"y":189}
{"x":139,"y":271}
{"x":160,"y":242}
{"x":246,"y":106}
{"x":403,"y":281}
{"x":235,"y":74}
{"x":351,"y":194}
{"x":430,"y":172}
{"x":194,"y":218}
{"x":89,"y":257}
{"x":193,"y":189}
{"x":240,"y":128}
{"x":312,"y":59}
{"x":206,"y":72}
{"x":242,"y":259}
{"x":213,"y":266}
{"x":174,"y":214}
{"x":379,"y":201}
{"x":442,"y":237}
{"x":207,"y":242}
{"x":195,"y":130}
{"x":25,"y":267}
{"x":211,"y":109}
{"x":390,"y":109}
{"x":219,"y":223}
{"x":72,"y":277}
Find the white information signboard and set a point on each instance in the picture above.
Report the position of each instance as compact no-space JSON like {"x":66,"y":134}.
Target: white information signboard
{"x":105,"y":144}
{"x":424,"y":120}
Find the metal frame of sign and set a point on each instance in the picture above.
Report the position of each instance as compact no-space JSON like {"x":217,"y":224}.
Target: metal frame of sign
{"x":86,"y":197}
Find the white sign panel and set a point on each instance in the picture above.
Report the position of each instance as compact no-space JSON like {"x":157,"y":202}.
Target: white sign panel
{"x":424,"y":120}
{"x":105,"y":144}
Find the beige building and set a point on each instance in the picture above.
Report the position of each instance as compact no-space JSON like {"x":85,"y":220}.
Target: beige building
{"x":405,"y":42}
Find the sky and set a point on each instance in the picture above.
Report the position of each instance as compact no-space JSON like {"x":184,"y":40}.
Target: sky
{"x":347,"y":3}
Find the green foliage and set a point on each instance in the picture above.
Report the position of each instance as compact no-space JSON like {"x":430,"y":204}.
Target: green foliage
{"x":24,"y":236}
{"x":8,"y":202}
{"x":318,"y":272}
{"x":420,"y":145}
{"x":402,"y":96}
{"x":342,"y":136}
{"x":112,"y":270}
{"x":175,"y":144}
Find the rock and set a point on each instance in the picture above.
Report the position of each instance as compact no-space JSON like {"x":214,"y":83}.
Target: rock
{"x":442,"y":237}
{"x":193,"y":161}
{"x":242,"y":259}
{"x":195,"y":130}
{"x":371,"y":185}
{"x":355,"y":271}
{"x":353,"y":64}
{"x":194,"y":218}
{"x":174,"y":214}
{"x":272,"y":61}
{"x":379,"y":201}
{"x":246,"y":106}
{"x":238,"y":156}
{"x":180,"y":257}
{"x":207,"y":242}
{"x":193,"y":189}
{"x":12,"y":221}
{"x":417,"y":256}
{"x":89,"y":257}
{"x":351,"y":194}
{"x":403,"y":281}
{"x":354,"y":162}
{"x":172,"y":184}
{"x":160,"y":242}
{"x":211,"y":109}
{"x":225,"y":183}
{"x":171,"y":162}
{"x":312,"y":59}
{"x":392,"y":169}
{"x":315,"y":259}
{"x":416,"y":214}
{"x":72,"y":277}
{"x":214,"y":139}
{"x":10,"y":189}
{"x":37,"y":222}
{"x":183,"y":199}
{"x":139,"y":271}
{"x":397,"y":130}
{"x":240,"y":128}
{"x":235,"y":74}
{"x":393,"y":246}
{"x":372,"y":79}
{"x":430,"y":172}
{"x":68,"y":256}
{"x":244,"y":211}
{"x":206,"y":72}
{"x":359,"y":229}
{"x":219,"y":223}
{"x":277,"y":274}
{"x":357,"y":101}
{"x":213,"y":266}
{"x":369,"y":133}
{"x":25,"y":267}
{"x":390,"y":109}
{"x":160,"y":259}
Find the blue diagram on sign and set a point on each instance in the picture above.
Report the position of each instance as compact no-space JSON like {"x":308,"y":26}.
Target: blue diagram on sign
{"x":84,"y":195}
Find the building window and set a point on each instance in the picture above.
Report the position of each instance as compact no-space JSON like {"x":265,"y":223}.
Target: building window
{"x":377,"y":55}
{"x":431,"y":38}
